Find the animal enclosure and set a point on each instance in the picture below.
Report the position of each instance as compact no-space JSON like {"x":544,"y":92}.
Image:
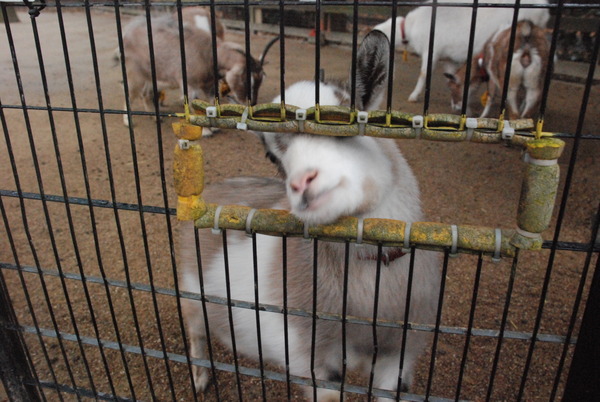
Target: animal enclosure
{"x":90,"y":267}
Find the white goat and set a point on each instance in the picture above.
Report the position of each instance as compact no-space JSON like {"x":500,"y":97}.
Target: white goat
{"x":231,"y":59}
{"x":326,"y":178}
{"x":452,"y":29}
{"x":528,"y":68}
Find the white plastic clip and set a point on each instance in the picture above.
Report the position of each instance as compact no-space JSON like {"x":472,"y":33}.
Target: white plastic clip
{"x":507,"y":131}
{"x":301,"y":117}
{"x":539,"y":162}
{"x":211,"y":113}
{"x":249,"y":222}
{"x":525,"y":233}
{"x":359,"y":231}
{"x":242,"y":124}
{"x":471,"y":125}
{"x":496,"y":257}
{"x":362,"y":118}
{"x":417,"y":123}
{"x":454,"y":247}
{"x":184,"y":144}
{"x":306,"y":235}
{"x":406,"y":246}
{"x":215,"y":229}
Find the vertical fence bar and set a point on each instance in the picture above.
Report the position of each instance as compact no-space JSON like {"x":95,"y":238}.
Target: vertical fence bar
{"x":463,"y":361}
{"x":257,"y":315}
{"x":317,"y":51}
{"x":209,"y":346}
{"x":286,"y":335}
{"x":582,"y":382}
{"x":409,"y":283}
{"x":438,"y":321}
{"x":468,"y":71}
{"x":282,"y":52}
{"x":16,"y":371}
{"x":230,"y":315}
{"x":374,"y":325}
{"x":434,"y":7}
{"x":345,"y":318}
{"x":511,"y":50}
{"x":390,"y":88}
{"x":509,"y":290}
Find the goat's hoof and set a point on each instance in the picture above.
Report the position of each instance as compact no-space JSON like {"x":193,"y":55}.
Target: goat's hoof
{"x":201,"y":379}
{"x":208,"y":132}
{"x":413,"y":98}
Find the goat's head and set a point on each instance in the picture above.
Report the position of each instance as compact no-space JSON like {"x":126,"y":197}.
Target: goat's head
{"x":235,"y":69}
{"x":329,"y":177}
{"x":456,"y":85}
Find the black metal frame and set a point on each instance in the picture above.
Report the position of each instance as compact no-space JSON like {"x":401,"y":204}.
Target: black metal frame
{"x":21,"y":381}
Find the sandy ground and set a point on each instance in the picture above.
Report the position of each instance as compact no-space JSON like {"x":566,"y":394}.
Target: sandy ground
{"x":460,"y":183}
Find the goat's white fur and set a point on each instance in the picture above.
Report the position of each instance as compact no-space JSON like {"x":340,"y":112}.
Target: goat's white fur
{"x":360,"y":176}
{"x":452,"y":29}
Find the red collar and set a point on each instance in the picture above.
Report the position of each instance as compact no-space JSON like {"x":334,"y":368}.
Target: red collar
{"x":404,"y":40}
{"x":481,"y":64}
{"x":387,"y":257}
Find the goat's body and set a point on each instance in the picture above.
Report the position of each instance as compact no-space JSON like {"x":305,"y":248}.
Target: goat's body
{"x":360,"y":295}
{"x":199,"y":68}
{"x":528,"y":67}
{"x":326,"y":178}
{"x":167,"y":58}
{"x":452,"y":30}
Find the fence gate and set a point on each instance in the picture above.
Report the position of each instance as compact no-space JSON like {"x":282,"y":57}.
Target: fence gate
{"x":109,"y":143}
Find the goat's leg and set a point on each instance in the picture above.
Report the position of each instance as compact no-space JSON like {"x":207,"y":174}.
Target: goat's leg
{"x":533,"y":91}
{"x":532,"y":98}
{"x":136,"y":89}
{"x":414,"y":96}
{"x":490,"y":99}
{"x":192,"y":310}
{"x":511,"y":98}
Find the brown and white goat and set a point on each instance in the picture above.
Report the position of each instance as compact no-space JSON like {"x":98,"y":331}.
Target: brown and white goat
{"x":527,"y":70}
{"x":231,"y":62}
{"x":325,"y":178}
{"x":452,"y":30}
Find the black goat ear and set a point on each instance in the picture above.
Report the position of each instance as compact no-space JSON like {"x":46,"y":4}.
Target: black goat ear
{"x":450,"y":77}
{"x":372,"y":70}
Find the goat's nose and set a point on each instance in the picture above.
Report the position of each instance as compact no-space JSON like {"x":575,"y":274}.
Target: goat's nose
{"x":301,"y":182}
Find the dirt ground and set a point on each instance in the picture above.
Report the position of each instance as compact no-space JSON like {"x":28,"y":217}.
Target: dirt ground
{"x":460,"y":184}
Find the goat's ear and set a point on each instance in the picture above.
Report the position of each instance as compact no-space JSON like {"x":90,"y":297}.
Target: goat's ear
{"x":451,"y":77}
{"x":372,"y":70}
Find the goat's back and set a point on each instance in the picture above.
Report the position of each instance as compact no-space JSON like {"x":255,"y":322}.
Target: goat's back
{"x":166,"y":49}
{"x":453,"y":25}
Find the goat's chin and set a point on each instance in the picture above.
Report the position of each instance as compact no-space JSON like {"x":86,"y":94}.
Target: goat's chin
{"x":323,"y":211}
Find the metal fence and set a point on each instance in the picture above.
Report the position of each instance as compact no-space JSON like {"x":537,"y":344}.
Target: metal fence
{"x":91,"y":297}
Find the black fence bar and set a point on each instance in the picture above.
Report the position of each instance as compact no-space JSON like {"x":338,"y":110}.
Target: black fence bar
{"x":16,"y":372}
{"x":582,"y":383}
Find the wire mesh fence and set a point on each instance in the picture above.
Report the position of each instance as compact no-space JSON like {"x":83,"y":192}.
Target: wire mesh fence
{"x":94,"y":300}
